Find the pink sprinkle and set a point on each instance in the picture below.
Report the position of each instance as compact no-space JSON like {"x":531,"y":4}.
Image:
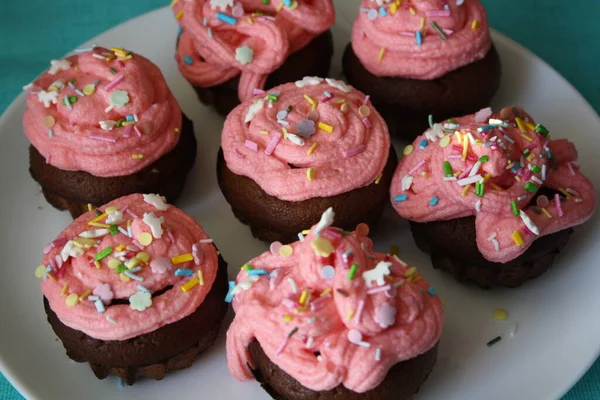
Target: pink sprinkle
{"x":131,"y":214}
{"x":328,"y":234}
{"x":257,"y":91}
{"x":575,"y":164}
{"x":197,"y":253}
{"x":483,"y":115}
{"x":238,"y":154}
{"x":282,"y":346}
{"x":558,"y":205}
{"x":366,"y":122}
{"x":448,"y":31}
{"x":137,"y":130}
{"x":466,"y":171}
{"x":417,"y":167}
{"x":407,"y":33}
{"x":272,"y":145}
{"x":138,"y":244}
{"x":251,"y":145}
{"x":114,"y":82}
{"x":59,"y":261}
{"x":472,"y":157}
{"x":276,"y":277}
{"x":105,"y":138}
{"x":366,"y":100}
{"x":571,"y":169}
{"x":379,"y":289}
{"x":527,"y":175}
{"x":315,"y":305}
{"x":359,"y":311}
{"x":121,"y":63}
{"x":457,"y":148}
{"x":325,"y":99}
{"x":127,"y":131}
{"x":573,"y":192}
{"x":333,"y":234}
{"x":531,"y":146}
{"x":438,"y":13}
{"x":354,"y":152}
{"x":289,"y":303}
{"x":48,"y":159}
{"x":171,"y":236}
{"x":454,"y":156}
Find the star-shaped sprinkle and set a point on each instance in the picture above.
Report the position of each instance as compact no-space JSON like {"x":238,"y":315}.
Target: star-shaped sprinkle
{"x":58,"y":65}
{"x":48,"y":97}
{"x":140,"y":301}
{"x":157,"y":201}
{"x":244,"y":55}
{"x":155,"y":224}
{"x":104,"y":292}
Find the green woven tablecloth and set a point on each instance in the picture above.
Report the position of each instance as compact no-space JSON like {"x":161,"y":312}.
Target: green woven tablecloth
{"x":564,"y":33}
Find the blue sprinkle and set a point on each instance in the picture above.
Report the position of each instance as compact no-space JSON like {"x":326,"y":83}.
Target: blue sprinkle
{"x":382,"y":12}
{"x":188,"y":60}
{"x":401,"y":197}
{"x":431,"y":291}
{"x":257,"y":272}
{"x":129,"y":118}
{"x":226,"y":18}
{"x":71,"y":85}
{"x":434,"y":201}
{"x":423,"y":144}
{"x":372,"y":14}
{"x":136,"y":269}
{"x":133,"y":276}
{"x":418,"y":38}
{"x":288,"y":3}
{"x":515,"y":167}
{"x":486,"y":128}
{"x":184,"y":272}
{"x":143,"y":289}
{"x":179,"y":31}
{"x":99,"y":306}
{"x":50,"y":133}
{"x":229,"y":296}
{"x":488,"y":144}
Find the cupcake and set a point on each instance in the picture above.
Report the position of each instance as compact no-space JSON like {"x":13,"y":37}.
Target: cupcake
{"x":290,"y":154}
{"x":134,"y":288}
{"x":421,"y":58}
{"x":103,"y":124}
{"x":491,"y":197}
{"x":230,"y":50}
{"x":331,"y":319}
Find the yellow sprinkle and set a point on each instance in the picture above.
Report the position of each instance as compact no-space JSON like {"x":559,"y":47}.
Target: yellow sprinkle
{"x":110,"y":210}
{"x":378,"y":179}
{"x":280,"y":6}
{"x":529,"y":126}
{"x":326,"y":127}
{"x":526,"y":137}
{"x":422,"y":24}
{"x":264,"y":132}
{"x":410,"y":272}
{"x":412,"y":11}
{"x":90,"y":208}
{"x":250,"y":20}
{"x":408,"y":150}
{"x":457,"y":173}
{"x":520,"y":124}
{"x":303,"y":297}
{"x":487,"y":177}
{"x":137,"y":156}
{"x":340,"y":101}
{"x":287,"y":318}
{"x":64,"y":289}
{"x":97,"y":264}
{"x":312,"y":101}
{"x":179,"y":15}
{"x":286,"y":250}
{"x":200,"y":277}
{"x":51,"y":276}
{"x":325,"y":292}
{"x":189,"y":285}
{"x":145,"y":238}
{"x":322,"y":247}
{"x":350,"y":315}
{"x":458,"y":136}
{"x":465,"y":190}
{"x":99,"y":217}
{"x":72,"y":300}
{"x":393,"y":250}
{"x":312,"y":148}
{"x":465,"y":147}
{"x":546,"y":213}
{"x":306,"y":231}
{"x":84,"y":242}
{"x":85,"y":295}
{"x":173,"y":2}
{"x":517,"y":238}
{"x":143,"y":257}
{"x":113,"y":263}
{"x":311,"y":174}
{"x":393,"y":9}
{"x":40,"y":271}
{"x":495,"y":187}
{"x":530,"y":157}
{"x":132,"y":263}
{"x":180,"y":259}
{"x":381,"y":54}
{"x":124,"y":278}
{"x":284,"y":132}
{"x":500,"y":314}
{"x":475,"y":24}
{"x":445,"y":141}
{"x":99,"y":225}
{"x":120,"y":247}
{"x":563,"y":191}
{"x":416,"y":278}
{"x":479,"y":142}
{"x":89,"y":89}
{"x":128,"y":123}
{"x":517,"y":178}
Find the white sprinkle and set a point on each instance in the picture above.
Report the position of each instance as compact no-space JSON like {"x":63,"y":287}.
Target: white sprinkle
{"x":99,"y":306}
{"x":123,"y":231}
{"x":498,"y":122}
{"x":407,"y":181}
{"x":529,"y":223}
{"x":521,"y":198}
{"x":451,"y":126}
{"x":300,"y":236}
{"x":536,"y":180}
{"x":312,"y":320}
{"x":578,"y":200}
{"x":253,"y":110}
{"x":475,"y":169}
{"x":93,"y":298}
{"x":94,"y":233}
{"x":111,"y":319}
{"x":513,"y":330}
{"x":292,"y":283}
{"x":309,"y":342}
{"x":395,"y":257}
{"x":131,"y":275}
{"x":364,"y":344}
{"x":470,"y":180}
{"x":378,"y":354}
{"x":544,"y":171}
{"x":450,"y":178}
{"x":496,"y":244}
{"x":98,"y":56}
{"x":493,"y":236}
{"x":478,"y":206}
{"x":471,"y":138}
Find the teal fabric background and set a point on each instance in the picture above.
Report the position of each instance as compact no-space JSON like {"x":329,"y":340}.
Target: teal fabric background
{"x":35,"y":31}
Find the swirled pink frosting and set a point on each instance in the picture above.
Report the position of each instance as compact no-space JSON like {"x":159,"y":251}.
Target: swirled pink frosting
{"x":77,"y":142}
{"x":206,"y":52}
{"x":342,"y":331}
{"x":120,"y":321}
{"x":516,"y":172}
{"x":353,"y":155}
{"x":434,"y":57}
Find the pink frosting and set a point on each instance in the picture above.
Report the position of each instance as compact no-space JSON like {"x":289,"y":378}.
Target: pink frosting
{"x":353,"y":155}
{"x":532,"y":162}
{"x":396,"y":33}
{"x":206,"y":52}
{"x":121,"y":321}
{"x":75,"y":141}
{"x":351,"y":336}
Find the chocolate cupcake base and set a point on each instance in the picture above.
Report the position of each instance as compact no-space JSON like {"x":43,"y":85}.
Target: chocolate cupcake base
{"x":312,"y":60}
{"x":151,"y":355}
{"x":272,"y":219}
{"x":74,"y":190}
{"x":402,"y":382}
{"x":405,"y":104}
{"x":453,"y":247}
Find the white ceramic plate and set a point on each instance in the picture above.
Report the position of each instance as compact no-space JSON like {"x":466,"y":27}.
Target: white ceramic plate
{"x":556,"y":336}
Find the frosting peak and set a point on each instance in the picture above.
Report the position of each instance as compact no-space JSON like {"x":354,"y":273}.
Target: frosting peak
{"x":333,"y":312}
{"x":314,"y":138}
{"x":220,"y":40}
{"x":420,"y":39}
{"x":105,"y":112}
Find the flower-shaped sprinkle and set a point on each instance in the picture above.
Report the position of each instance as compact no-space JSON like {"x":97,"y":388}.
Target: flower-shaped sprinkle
{"x":309,"y":81}
{"x":119,"y":98}
{"x":140,"y":301}
{"x":244,"y":55}
{"x":104,"y":292}
{"x":160,"y":265}
{"x":385,"y":315}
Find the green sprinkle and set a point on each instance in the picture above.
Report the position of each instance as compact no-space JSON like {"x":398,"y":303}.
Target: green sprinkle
{"x":515,"y":208}
{"x":526,"y":152}
{"x":452,"y":121}
{"x":516,"y":111}
{"x":484,"y":158}
{"x":266,"y":2}
{"x":98,"y":212}
{"x":539,"y":128}
{"x":352,"y":273}
{"x":438,"y":30}
{"x":535,"y":169}
{"x":114,"y":229}
{"x":72,"y":80}
{"x":120,"y":122}
{"x":292,"y":332}
{"x":70,"y":99}
{"x":494,"y":341}
{"x":247,"y":267}
{"x":430,"y":119}
{"x":272,"y":97}
{"x":479,"y":189}
{"x":121,"y":268}
{"x":103,"y":254}
{"x":530,"y":187}
{"x":448,"y":169}
{"x":111,"y":69}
